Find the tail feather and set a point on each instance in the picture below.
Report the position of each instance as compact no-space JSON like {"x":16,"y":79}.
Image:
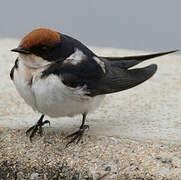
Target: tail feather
{"x":130,"y":61}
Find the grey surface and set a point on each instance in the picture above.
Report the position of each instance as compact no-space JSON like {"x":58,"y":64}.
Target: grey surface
{"x":142,"y":25}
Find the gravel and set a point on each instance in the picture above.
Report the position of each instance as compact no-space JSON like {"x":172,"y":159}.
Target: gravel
{"x":94,"y":158}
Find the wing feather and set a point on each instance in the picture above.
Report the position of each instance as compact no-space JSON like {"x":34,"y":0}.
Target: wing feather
{"x":120,"y":79}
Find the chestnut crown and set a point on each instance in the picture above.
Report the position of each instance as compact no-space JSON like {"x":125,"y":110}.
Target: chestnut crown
{"x":38,"y":39}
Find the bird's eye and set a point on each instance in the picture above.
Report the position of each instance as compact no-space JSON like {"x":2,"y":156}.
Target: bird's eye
{"x":44,"y":48}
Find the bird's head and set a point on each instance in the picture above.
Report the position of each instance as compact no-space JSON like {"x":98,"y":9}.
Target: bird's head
{"x":39,"y":47}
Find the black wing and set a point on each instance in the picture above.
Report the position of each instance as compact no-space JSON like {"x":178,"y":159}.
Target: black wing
{"x":97,"y":82}
{"x":75,"y":75}
{"x":117,"y":76}
{"x":117,"y":79}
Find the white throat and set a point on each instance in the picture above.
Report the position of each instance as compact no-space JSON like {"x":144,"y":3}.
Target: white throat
{"x":33,"y":61}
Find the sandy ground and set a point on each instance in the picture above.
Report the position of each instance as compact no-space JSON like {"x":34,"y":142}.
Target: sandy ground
{"x":134,"y":134}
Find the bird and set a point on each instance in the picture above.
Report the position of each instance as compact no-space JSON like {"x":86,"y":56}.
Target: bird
{"x":59,"y":76}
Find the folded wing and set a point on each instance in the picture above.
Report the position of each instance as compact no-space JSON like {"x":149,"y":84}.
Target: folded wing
{"x":117,"y":79}
{"x":117,"y":76}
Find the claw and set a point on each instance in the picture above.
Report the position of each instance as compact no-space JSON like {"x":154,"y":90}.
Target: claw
{"x":37,"y":128}
{"x":73,"y":134}
{"x":40,"y":131}
{"x":46,"y":122}
{"x":77,"y":135}
{"x":29,"y":130}
{"x":33,"y":132}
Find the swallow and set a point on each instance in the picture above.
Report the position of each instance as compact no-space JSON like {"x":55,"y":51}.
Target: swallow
{"x":59,"y":76}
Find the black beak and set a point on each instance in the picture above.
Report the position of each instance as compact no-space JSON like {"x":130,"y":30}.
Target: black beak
{"x":21,"y":50}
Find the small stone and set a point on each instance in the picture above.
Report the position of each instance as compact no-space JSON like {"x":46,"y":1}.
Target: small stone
{"x":165,"y":172}
{"x":34,"y":176}
{"x":131,"y":164}
{"x":19,"y":175}
{"x":108,"y":168}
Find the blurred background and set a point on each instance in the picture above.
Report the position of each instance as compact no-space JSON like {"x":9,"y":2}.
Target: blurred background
{"x":140,"y":25}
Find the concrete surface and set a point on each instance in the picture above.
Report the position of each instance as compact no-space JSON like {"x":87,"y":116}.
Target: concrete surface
{"x":129,"y":125}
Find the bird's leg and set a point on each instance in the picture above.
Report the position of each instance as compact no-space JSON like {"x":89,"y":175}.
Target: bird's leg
{"x":37,"y":127}
{"x":78,"y":134}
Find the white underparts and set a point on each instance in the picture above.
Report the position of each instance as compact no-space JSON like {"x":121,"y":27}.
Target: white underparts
{"x":50,"y":96}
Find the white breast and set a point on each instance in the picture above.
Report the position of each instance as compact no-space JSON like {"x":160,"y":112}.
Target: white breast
{"x":50,"y":96}
{"x":55,"y":99}
{"x":21,"y":81}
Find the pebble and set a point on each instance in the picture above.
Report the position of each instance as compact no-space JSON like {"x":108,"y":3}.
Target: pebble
{"x":34,"y":176}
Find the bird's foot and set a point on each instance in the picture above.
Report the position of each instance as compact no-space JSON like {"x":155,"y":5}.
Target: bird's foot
{"x":37,"y":128}
{"x":77,"y":135}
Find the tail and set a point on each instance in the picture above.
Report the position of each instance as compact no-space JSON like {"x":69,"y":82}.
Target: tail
{"x":130,"y":61}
